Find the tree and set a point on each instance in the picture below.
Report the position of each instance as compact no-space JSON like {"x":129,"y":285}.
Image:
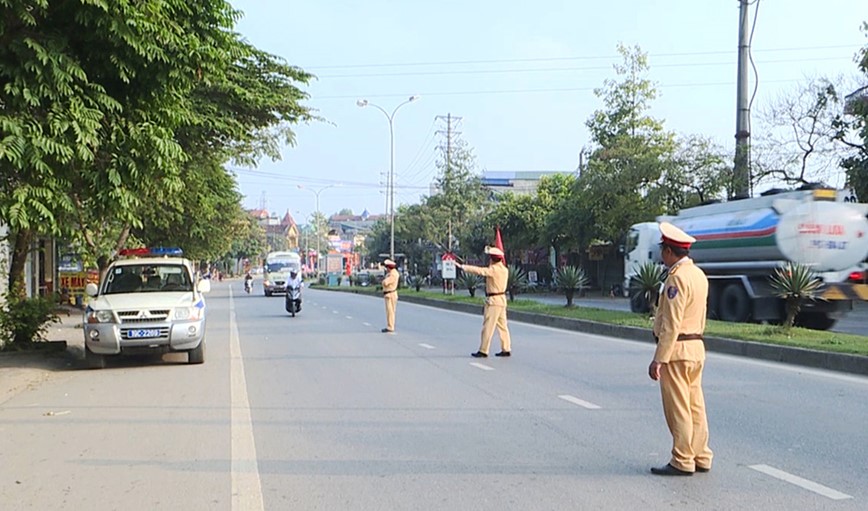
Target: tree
{"x":852,"y":129}
{"x":700,"y":173}
{"x":345,"y":212}
{"x":632,"y":153}
{"x":460,"y":197}
{"x":797,"y":144}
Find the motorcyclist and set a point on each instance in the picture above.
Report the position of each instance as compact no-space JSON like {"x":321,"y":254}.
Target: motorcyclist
{"x":248,"y":281}
{"x":293,"y":300}
{"x":294,"y":279}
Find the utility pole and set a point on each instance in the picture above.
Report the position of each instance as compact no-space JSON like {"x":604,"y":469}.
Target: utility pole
{"x":449,"y":132}
{"x":741,"y":171}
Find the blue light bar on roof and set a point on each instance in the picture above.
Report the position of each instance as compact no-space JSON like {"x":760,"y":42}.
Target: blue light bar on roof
{"x":167,"y":251}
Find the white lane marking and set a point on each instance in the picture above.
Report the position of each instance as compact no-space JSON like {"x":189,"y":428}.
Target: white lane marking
{"x":832,"y":375}
{"x":246,"y":485}
{"x":366,"y":323}
{"x":334,"y":312}
{"x":482,"y":366}
{"x":581,"y":402}
{"x":348,"y":317}
{"x":426,"y":346}
{"x":803,"y":483}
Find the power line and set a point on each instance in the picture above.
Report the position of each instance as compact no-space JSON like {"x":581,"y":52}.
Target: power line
{"x":531,"y":91}
{"x":561,"y":59}
{"x":564,"y":69}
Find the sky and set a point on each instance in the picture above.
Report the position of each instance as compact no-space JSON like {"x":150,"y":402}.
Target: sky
{"x":520,"y":76}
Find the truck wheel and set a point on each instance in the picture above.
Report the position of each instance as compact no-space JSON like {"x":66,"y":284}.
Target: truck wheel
{"x":713,"y":306}
{"x":93,"y":360}
{"x":734,"y":304}
{"x":197,"y":354}
{"x":815,"y":321}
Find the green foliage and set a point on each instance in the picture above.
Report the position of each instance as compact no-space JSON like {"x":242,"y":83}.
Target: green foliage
{"x":517,"y":281}
{"x":633,"y":152}
{"x":646,"y":284}
{"x":112,"y":108}
{"x":570,"y":279}
{"x":470,"y":282}
{"x":856,"y":165}
{"x":796,"y":284}
{"x":24,"y":321}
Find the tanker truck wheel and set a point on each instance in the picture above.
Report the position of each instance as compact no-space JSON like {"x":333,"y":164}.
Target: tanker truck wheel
{"x":815,"y":321}
{"x":734,"y":304}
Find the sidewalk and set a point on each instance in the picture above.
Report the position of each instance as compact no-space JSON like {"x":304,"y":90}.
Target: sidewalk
{"x":22,"y":370}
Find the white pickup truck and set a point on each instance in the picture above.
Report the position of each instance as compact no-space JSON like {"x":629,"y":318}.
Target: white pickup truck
{"x":146,"y":304}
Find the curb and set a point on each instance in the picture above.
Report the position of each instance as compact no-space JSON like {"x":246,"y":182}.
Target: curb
{"x":841,"y":362}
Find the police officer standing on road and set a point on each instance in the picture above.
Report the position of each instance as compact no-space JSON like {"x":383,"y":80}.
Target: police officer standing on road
{"x":390,"y":294}
{"x":680,"y":355}
{"x":496,"y":277}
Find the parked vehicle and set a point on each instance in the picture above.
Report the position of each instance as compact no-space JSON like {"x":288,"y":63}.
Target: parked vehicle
{"x":740,"y":243}
{"x":147,"y":302}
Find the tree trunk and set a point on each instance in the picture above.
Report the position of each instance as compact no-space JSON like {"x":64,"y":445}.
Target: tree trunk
{"x":570,"y":293}
{"x":20,"y":248}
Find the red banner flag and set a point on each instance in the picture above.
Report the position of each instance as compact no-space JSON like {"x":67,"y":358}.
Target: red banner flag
{"x":498,"y":242}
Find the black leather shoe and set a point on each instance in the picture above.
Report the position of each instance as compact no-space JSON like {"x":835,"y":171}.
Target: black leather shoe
{"x":479,"y":354}
{"x":503,"y":354}
{"x":702,"y":470}
{"x":669,"y":470}
{"x":387,"y":331}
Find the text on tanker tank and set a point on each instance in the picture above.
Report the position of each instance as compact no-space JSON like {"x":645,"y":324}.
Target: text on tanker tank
{"x":824,"y":229}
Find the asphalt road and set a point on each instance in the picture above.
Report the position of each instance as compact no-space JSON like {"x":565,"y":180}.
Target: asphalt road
{"x":323,"y":411}
{"x":855,"y":322}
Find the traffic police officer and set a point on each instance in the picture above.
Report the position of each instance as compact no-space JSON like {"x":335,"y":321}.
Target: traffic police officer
{"x":680,"y":355}
{"x":496,"y":276}
{"x":390,"y":294}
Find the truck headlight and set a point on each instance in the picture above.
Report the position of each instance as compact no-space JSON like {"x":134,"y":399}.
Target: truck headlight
{"x":100,"y":316}
{"x":189,"y":313}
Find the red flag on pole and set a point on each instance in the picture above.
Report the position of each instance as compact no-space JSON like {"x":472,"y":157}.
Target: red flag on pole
{"x":498,"y":242}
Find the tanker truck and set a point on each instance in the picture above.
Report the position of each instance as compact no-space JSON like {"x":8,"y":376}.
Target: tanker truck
{"x":740,"y":243}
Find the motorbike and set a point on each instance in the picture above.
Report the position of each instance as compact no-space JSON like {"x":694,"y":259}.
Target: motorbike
{"x":248,"y":285}
{"x":293,"y":298}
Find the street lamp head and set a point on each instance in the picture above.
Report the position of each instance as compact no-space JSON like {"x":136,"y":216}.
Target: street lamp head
{"x":362,"y":103}
{"x":414,"y":97}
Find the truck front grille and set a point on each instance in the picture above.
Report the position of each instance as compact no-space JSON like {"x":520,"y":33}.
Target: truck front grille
{"x":144,"y":316}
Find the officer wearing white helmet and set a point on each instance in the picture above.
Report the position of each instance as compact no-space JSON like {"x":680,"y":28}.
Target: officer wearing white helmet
{"x":680,"y":355}
{"x":494,"y":316}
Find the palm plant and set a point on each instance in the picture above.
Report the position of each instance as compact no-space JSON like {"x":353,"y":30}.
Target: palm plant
{"x":517,"y":281}
{"x":645,"y":286}
{"x":795,"y":283}
{"x":469,"y":281}
{"x":570,"y":279}
{"x":415,"y":281}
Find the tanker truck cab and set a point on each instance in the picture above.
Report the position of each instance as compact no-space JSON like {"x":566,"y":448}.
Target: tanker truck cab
{"x":642,"y":246}
{"x":740,"y":243}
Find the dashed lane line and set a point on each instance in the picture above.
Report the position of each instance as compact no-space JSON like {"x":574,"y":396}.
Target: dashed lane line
{"x":367,"y":324}
{"x":482,"y":366}
{"x":426,"y":346}
{"x":581,"y":402}
{"x":801,"y":482}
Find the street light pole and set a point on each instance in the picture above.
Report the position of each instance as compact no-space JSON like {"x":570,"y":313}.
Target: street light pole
{"x":391,"y":182}
{"x":316,"y":194}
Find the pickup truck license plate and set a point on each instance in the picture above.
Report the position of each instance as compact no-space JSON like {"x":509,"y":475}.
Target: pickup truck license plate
{"x":144,"y":333}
